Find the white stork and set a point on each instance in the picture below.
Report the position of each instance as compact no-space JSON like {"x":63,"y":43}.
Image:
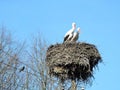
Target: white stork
{"x":75,"y":35}
{"x":69,"y":34}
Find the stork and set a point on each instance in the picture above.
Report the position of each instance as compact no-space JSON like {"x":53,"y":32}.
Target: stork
{"x":69,"y":34}
{"x":75,"y":35}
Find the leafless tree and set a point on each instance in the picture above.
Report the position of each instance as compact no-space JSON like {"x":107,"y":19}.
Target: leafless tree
{"x":40,"y":78}
{"x":9,"y":61}
{"x":24,"y":69}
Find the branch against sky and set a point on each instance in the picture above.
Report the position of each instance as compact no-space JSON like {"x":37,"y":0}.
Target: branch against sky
{"x":10,"y":55}
{"x":35,"y":75}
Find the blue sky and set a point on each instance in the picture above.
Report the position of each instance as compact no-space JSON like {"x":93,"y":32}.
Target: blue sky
{"x":99,"y":21}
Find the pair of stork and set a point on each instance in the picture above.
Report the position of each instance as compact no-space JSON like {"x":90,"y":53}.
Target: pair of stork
{"x":72,"y":36}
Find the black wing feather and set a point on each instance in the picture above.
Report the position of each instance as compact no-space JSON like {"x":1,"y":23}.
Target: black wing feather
{"x":65,"y":38}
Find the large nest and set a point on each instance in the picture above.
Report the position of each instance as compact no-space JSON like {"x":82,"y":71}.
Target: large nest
{"x":74,"y":61}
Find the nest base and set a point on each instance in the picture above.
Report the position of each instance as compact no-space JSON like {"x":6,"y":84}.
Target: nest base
{"x":74,"y":61}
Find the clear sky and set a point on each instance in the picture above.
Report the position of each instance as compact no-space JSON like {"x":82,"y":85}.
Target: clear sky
{"x":99,"y":21}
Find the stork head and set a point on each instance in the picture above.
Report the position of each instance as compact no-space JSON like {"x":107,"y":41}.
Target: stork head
{"x":74,"y":25}
{"x":78,"y":29}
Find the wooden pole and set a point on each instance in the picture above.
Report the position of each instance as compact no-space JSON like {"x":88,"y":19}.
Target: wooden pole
{"x":73,"y":86}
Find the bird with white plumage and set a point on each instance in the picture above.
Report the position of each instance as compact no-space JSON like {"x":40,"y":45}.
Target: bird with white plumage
{"x":75,"y":35}
{"x":69,"y":34}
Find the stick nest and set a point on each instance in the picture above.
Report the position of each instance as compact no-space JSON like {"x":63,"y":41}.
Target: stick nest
{"x":74,"y":61}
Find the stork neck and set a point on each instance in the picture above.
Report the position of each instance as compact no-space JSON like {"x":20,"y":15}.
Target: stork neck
{"x":73,"y":28}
